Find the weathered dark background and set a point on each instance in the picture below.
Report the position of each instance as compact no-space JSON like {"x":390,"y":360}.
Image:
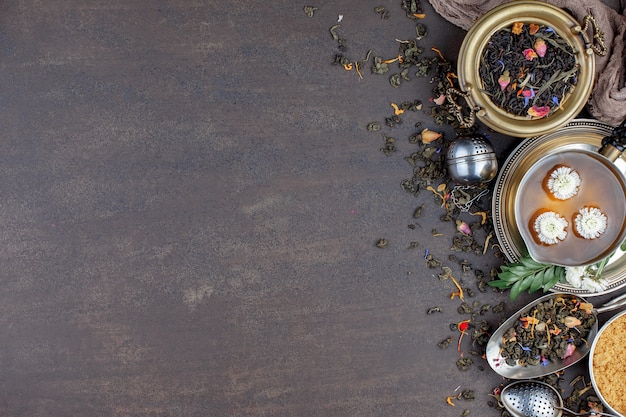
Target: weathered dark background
{"x":189,"y":201}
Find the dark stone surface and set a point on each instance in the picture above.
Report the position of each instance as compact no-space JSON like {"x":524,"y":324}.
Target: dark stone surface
{"x":189,"y":205}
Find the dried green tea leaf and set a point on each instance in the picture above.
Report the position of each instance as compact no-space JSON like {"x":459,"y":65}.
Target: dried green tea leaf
{"x":373,"y":127}
{"x":395,"y":80}
{"x":309,"y":10}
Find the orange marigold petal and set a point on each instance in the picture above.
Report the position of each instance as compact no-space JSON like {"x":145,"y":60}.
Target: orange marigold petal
{"x":517,"y":28}
{"x":533,"y":28}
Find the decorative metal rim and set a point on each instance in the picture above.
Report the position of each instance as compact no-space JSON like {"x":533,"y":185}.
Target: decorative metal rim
{"x":583,"y":133}
{"x":504,"y":16}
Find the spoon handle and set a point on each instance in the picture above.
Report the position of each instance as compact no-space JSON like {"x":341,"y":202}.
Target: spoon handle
{"x":614,"y":304}
{"x":588,"y":413}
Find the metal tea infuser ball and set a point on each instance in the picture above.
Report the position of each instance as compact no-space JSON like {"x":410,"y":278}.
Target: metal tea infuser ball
{"x":471,"y":160}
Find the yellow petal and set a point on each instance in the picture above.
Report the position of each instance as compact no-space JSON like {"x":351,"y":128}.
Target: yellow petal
{"x":429,"y":136}
{"x":396,"y":110}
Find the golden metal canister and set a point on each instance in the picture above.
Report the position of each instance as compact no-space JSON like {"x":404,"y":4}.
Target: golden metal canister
{"x":501,"y":17}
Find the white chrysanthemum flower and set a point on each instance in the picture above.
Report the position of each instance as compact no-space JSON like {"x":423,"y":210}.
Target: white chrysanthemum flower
{"x":574,"y":275}
{"x":563,"y":182}
{"x":583,"y":277}
{"x":590,"y":222}
{"x":550,"y":228}
{"x":593,"y":285}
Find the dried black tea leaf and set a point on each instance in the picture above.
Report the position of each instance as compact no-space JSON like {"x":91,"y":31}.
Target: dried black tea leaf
{"x":528,"y":69}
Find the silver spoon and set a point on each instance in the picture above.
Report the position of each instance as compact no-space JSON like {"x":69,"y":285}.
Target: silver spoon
{"x":537,"y":399}
{"x":499,"y":365}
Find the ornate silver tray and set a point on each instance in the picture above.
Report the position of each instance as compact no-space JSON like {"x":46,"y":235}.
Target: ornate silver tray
{"x":578,"y":134}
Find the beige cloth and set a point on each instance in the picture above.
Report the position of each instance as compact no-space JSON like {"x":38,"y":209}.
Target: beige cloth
{"x":608,"y":97}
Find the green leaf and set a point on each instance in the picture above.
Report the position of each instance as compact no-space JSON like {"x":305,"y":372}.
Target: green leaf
{"x":527,"y":274}
{"x":529,"y":262}
{"x":552,"y":277}
{"x":503,"y":285}
{"x":536,"y":281}
{"x":507,"y":276}
{"x":519,"y":270}
{"x":516,"y":290}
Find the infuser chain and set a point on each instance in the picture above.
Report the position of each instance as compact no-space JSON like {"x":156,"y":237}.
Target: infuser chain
{"x":617,"y":138}
{"x":457,"y":109}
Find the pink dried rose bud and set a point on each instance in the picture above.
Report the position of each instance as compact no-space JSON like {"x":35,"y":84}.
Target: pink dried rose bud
{"x":530,"y":54}
{"x":463,"y":227}
{"x":504,"y":80}
{"x":540,"y":47}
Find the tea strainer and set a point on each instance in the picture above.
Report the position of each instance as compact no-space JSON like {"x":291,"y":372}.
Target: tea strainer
{"x":537,"y":399}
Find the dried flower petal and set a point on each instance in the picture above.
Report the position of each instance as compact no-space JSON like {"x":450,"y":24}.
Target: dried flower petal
{"x":517,"y":28}
{"x":539,"y":112}
{"x":440,"y":100}
{"x":504,"y":80}
{"x":571,"y":321}
{"x":429,"y":136}
{"x":540,"y":47}
{"x":586,"y":307}
{"x":463,"y":227}
{"x":569,"y":351}
{"x":533,"y":28}
{"x":528,"y":321}
{"x":396,"y":110}
{"x":529,"y":54}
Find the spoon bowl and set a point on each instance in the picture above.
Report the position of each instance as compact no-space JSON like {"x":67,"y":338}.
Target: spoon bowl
{"x":499,"y":365}
{"x":531,"y":398}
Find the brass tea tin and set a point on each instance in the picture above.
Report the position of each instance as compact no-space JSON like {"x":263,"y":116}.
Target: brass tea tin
{"x":504,"y":16}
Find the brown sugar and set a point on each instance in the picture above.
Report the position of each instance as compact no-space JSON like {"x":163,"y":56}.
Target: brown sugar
{"x":609,"y":371}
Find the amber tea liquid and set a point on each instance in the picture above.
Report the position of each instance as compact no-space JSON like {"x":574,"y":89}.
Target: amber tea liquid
{"x":600,"y":187}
